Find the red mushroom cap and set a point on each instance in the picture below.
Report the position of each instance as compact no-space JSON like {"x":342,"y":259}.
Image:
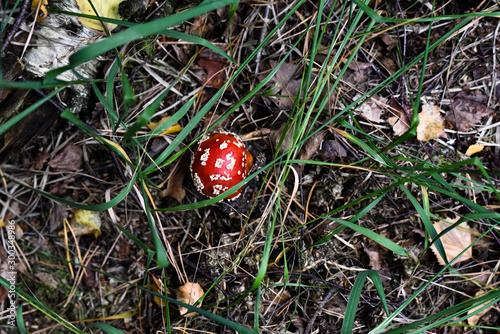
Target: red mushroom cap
{"x":219,"y":162}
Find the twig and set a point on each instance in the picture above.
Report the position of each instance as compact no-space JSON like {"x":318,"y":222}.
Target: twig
{"x":263,"y":33}
{"x":320,"y":307}
{"x":16,"y":25}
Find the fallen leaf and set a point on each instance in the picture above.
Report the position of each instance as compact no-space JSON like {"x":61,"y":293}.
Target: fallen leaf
{"x":215,"y":67}
{"x":311,"y":146}
{"x":159,"y":288}
{"x":333,"y":149}
{"x":467,"y":111}
{"x":373,"y":109}
{"x":189,"y":293}
{"x":473,"y":149}
{"x":358,"y":73}
{"x":175,"y":179}
{"x":282,"y":297}
{"x":48,"y":280}
{"x":201,"y":26}
{"x":475,"y":318}
{"x":105,"y":8}
{"x":298,"y":322}
{"x":176,"y":127}
{"x":389,"y":41}
{"x":431,"y":124}
{"x":70,"y":158}
{"x":41,"y":158}
{"x":399,"y":121}
{"x":376,"y":257}
{"x":454,"y":241}
{"x":86,"y":222}
{"x":42,"y":12}
{"x":284,"y":87}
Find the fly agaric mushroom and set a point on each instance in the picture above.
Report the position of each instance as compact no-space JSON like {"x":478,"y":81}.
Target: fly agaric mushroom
{"x":219,"y":162}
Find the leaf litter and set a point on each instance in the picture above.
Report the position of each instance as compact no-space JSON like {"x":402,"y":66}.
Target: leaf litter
{"x":468,"y":110}
{"x":455,"y":241}
{"x":431,"y":124}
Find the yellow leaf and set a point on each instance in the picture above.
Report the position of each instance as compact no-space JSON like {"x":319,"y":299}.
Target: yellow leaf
{"x":473,"y":149}
{"x":40,"y":9}
{"x":454,"y":241}
{"x":189,"y":293}
{"x":173,"y":129}
{"x":105,"y":8}
{"x":431,"y":123}
{"x":124,"y":315}
{"x":86,"y":222}
{"x":2,"y":224}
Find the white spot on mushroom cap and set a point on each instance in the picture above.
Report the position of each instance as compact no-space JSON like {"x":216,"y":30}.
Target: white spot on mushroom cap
{"x":232,"y":161}
{"x":218,"y":189}
{"x":219,"y":163}
{"x":223,"y":145}
{"x":204,"y":157}
{"x":197,"y":182}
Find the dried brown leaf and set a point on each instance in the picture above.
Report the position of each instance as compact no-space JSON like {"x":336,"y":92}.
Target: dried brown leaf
{"x":333,"y":149}
{"x":399,"y":121}
{"x":389,"y":41}
{"x":431,"y":124}
{"x":468,"y":110}
{"x":175,"y":179}
{"x":70,"y":158}
{"x":311,"y":146}
{"x":189,"y":293}
{"x":376,"y":256}
{"x":454,"y":241}
{"x":358,"y":73}
{"x":473,"y":320}
{"x":214,"y":66}
{"x":284,"y":85}
{"x":282,"y":297}
{"x":373,"y":109}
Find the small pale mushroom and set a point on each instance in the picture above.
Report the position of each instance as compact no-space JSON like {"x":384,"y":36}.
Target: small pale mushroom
{"x":219,"y":162}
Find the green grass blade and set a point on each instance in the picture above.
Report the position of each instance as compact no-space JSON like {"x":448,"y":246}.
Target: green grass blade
{"x":128,"y":93}
{"x":383,"y":241}
{"x":20,"y":321}
{"x":105,"y":327}
{"x":352,"y":304}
